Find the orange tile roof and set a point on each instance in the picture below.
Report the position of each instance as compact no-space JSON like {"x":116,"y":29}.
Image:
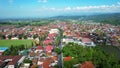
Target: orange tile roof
{"x":68,"y":58}
{"x":87,"y":64}
{"x":54,"y":58}
{"x":33,"y":66}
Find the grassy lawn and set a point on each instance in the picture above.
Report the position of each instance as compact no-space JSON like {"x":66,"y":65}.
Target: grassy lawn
{"x":111,"y":50}
{"x":7,"y":43}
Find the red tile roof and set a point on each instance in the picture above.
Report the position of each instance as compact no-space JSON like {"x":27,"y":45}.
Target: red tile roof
{"x":48,"y":53}
{"x":39,"y":48}
{"x":1,"y":63}
{"x":46,"y":63}
{"x":86,"y":40}
{"x":35,"y":61}
{"x":49,"y":48}
{"x":15,"y":59}
{"x":47,"y":41}
{"x":33,"y":66}
{"x":51,"y":36}
{"x":32,"y":53}
{"x":1,"y":53}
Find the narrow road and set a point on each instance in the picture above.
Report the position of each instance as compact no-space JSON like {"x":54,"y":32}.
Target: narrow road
{"x":60,"y":57}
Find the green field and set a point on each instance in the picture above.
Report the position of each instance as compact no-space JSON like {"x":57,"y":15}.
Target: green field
{"x":8,"y":43}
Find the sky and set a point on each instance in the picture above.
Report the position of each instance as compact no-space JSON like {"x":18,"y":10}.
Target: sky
{"x":48,"y":8}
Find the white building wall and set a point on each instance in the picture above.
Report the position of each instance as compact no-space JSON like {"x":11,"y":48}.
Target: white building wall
{"x":11,"y":66}
{"x":21,"y":60}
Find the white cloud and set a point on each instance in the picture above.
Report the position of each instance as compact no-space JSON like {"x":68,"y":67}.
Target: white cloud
{"x":53,"y":9}
{"x":118,"y":3}
{"x":68,"y":9}
{"x":91,"y":7}
{"x":43,"y":1}
{"x":100,"y":8}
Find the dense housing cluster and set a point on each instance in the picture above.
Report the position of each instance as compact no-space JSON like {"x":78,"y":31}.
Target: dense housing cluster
{"x":58,"y":45}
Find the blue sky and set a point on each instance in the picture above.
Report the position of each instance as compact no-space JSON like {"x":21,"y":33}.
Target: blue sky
{"x":47,"y":8}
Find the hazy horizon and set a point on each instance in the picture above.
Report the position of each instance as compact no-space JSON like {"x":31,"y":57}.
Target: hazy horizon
{"x":49,"y":8}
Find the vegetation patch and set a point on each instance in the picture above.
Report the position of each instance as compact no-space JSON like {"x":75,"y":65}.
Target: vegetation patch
{"x":111,"y":50}
{"x":98,"y":56}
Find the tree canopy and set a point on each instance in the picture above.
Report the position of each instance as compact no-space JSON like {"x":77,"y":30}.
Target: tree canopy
{"x":80,"y":54}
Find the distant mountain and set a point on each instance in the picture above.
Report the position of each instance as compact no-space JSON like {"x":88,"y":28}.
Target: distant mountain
{"x":65,"y":17}
{"x":110,"y":18}
{"x":105,"y":18}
